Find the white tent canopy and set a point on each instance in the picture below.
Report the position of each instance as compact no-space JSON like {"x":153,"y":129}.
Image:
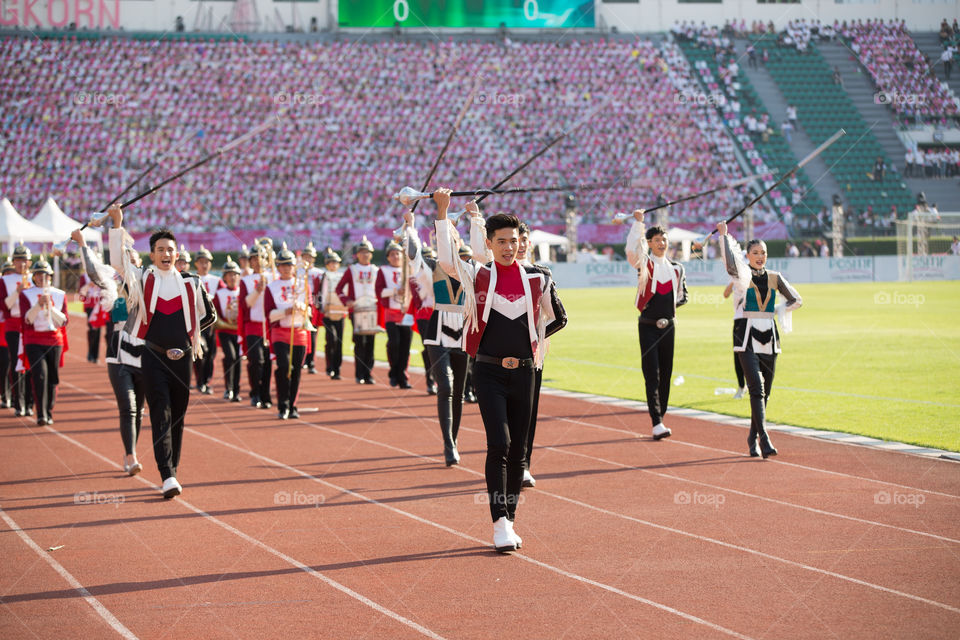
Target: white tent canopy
{"x":543,"y":240}
{"x":53,"y":218}
{"x":14,"y":228}
{"x":685,"y":238}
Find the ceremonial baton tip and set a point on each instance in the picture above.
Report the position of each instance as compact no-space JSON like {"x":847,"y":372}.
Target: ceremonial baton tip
{"x":408,"y":195}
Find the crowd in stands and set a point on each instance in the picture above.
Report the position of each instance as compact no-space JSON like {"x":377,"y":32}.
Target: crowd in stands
{"x":81,"y":118}
{"x":936,"y":162}
{"x":902,"y":74}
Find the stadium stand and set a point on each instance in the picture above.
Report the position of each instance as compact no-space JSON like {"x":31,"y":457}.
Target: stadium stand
{"x":83,"y":116}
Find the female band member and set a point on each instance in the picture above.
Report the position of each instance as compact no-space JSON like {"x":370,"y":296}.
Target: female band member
{"x":44,"y":312}
{"x":756,"y":339}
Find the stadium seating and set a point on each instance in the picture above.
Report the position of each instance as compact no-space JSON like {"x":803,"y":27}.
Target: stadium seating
{"x":769,"y":151}
{"x":823,"y":108}
{"x":83,"y":116}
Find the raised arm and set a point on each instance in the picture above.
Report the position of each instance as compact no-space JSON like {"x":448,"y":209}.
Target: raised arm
{"x":636,"y":246}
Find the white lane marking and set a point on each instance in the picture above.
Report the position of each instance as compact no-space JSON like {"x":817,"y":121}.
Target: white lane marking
{"x":101,"y":610}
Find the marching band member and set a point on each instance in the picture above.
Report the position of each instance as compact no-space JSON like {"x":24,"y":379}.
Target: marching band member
{"x":357,"y":290}
{"x":227,"y":303}
{"x":173,"y":310}
{"x":423,"y":302}
{"x":124,"y":348}
{"x":90,"y":295}
{"x":737,"y":368}
{"x":287,"y":307}
{"x":393,"y":296}
{"x":204,"y":368}
{"x":44,"y":312}
{"x":314,"y":273}
{"x":465,"y":253}
{"x":757,"y":341}
{"x":506,"y":316}
{"x":661,"y":288}
{"x":334,"y":311}
{"x":10,"y":287}
{"x":183,"y":260}
{"x":253,"y":323}
{"x":442,"y":336}
{"x":6,"y":399}
{"x":244,"y":261}
{"x":524,"y":250}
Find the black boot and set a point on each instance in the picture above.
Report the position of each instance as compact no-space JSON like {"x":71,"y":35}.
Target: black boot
{"x":752,"y":443}
{"x":766,"y":447}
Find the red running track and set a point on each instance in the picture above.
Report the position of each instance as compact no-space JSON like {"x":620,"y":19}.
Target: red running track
{"x":346,"y":523}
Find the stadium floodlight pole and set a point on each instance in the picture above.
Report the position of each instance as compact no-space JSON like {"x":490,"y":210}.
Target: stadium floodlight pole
{"x":271,"y":121}
{"x":813,"y":154}
{"x":728,"y":185}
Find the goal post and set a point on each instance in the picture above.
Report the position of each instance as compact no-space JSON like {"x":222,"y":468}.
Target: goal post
{"x":924,"y":233}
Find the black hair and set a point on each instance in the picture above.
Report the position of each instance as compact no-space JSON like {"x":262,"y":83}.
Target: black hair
{"x":656,"y":230}
{"x":754,"y":242}
{"x":501,"y":221}
{"x":162,"y":234}
{"x":524,"y":228}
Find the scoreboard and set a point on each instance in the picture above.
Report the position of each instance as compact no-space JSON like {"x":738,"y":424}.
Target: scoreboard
{"x":468,"y":14}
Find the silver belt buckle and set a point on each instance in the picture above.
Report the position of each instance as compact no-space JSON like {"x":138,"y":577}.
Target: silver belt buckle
{"x":510,"y":363}
{"x":663,"y":323}
{"x":175,"y":354}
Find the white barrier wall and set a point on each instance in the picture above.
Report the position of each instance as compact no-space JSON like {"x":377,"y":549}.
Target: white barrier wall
{"x":796,"y":270}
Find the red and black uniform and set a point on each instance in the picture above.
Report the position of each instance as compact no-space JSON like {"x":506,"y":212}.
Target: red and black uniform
{"x":44,"y":339}
{"x":358,"y":283}
{"x":389,"y":287}
{"x":21,"y":393}
{"x":227,"y":303}
{"x":96,"y":317}
{"x":253,"y":324}
{"x":203,"y":368}
{"x":279,"y":296}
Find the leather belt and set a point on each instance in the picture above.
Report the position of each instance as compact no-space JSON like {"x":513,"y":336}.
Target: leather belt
{"x":506,"y":363}
{"x":172,"y":354}
{"x":659,"y":323}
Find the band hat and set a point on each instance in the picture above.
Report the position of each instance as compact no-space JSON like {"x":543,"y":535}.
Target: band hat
{"x":230,"y":266}
{"x":184,"y":255}
{"x":204,"y":253}
{"x":393,"y":246}
{"x":363,"y":245}
{"x":7,"y":266}
{"x":285,"y":256}
{"x":428,"y":252}
{"x":21,"y":251}
{"x":465,"y":250}
{"x":331,"y":256}
{"x":310,"y":250}
{"x":42,"y":266}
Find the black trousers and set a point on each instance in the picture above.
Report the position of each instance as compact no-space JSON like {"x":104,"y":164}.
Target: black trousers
{"x":258,"y":367}
{"x":363,"y":356}
{"x":309,"y":359}
{"x":129,"y":389}
{"x":333,"y":344}
{"x":737,"y":367}
{"x":399,"y":339}
{"x":656,"y":357}
{"x":505,"y":399}
{"x":288,"y":388}
{"x":21,"y":391}
{"x":231,"y":362}
{"x":533,"y":416}
{"x":44,"y":375}
{"x":450,"y":371}
{"x":167,"y":385}
{"x":422,"y":327}
{"x":93,"y":338}
{"x":203,"y":368}
{"x":5,"y":374}
{"x":758,"y":369}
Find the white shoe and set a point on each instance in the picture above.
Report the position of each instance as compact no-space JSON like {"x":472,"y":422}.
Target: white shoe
{"x":503,"y":536}
{"x":528,"y":479}
{"x":130,"y":465}
{"x":171,"y":488}
{"x":517,"y":539}
{"x":740,"y":393}
{"x":660,"y":432}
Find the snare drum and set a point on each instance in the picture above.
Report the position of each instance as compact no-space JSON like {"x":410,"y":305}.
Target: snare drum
{"x":365,"y":318}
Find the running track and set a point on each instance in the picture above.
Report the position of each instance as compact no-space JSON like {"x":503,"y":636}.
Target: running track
{"x":346,"y":524}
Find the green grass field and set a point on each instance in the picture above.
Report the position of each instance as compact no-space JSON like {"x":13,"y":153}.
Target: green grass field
{"x":876,"y":359}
